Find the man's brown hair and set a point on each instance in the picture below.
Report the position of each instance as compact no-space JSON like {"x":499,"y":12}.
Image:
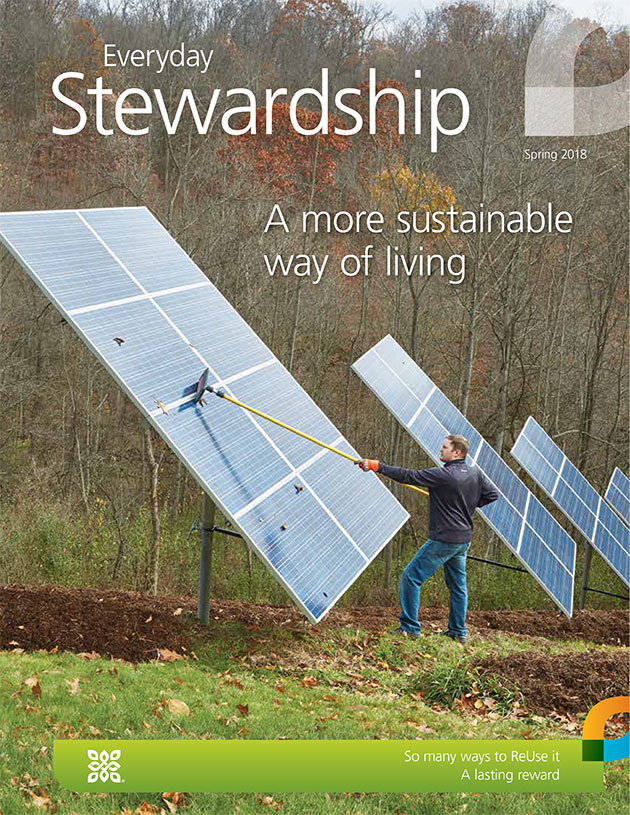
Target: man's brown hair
{"x":459,"y":443}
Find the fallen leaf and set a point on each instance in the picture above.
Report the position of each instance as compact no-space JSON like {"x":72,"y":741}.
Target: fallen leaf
{"x":40,"y":800}
{"x":149,"y":618}
{"x":243,"y":710}
{"x":178,"y":707}
{"x":73,"y":686}
{"x":148,"y":809}
{"x":177,"y":612}
{"x":309,"y":681}
{"x":269,"y":801}
{"x":173,"y":800}
{"x":165,"y":655}
{"x":90,"y":655}
{"x":33,"y":683}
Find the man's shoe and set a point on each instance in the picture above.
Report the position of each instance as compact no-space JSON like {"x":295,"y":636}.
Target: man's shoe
{"x":402,"y":632}
{"x":456,"y":637}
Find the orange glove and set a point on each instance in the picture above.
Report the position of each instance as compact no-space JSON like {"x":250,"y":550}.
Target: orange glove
{"x":367,"y":464}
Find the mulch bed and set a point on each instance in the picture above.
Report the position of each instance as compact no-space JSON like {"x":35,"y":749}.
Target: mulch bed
{"x":570,"y":683}
{"x":134,"y":626}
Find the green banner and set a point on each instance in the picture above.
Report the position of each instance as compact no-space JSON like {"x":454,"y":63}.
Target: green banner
{"x":325,"y":766}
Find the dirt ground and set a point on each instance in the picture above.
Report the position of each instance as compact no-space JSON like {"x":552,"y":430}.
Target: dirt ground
{"x":135,"y":627}
{"x":570,"y":683}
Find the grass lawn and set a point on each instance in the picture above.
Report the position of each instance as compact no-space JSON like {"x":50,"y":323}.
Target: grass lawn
{"x":270,"y":683}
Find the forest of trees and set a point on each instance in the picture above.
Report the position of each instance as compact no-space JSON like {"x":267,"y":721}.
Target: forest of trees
{"x":539,"y":325}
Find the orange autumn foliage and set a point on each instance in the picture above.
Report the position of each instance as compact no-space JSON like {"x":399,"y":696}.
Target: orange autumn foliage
{"x":292,"y":164}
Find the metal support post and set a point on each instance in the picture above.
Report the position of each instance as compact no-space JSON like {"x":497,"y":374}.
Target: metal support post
{"x":205,"y":563}
{"x":588,"y":555}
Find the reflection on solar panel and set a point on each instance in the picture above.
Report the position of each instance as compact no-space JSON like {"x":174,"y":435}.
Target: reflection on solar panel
{"x":583,"y":506}
{"x":618,"y":494}
{"x":518,"y":518}
{"x":156,"y":322}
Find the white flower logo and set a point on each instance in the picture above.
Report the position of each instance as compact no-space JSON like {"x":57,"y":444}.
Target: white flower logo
{"x":104,"y":766}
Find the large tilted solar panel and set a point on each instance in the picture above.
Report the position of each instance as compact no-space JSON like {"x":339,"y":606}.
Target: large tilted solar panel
{"x":156,"y":322}
{"x":518,"y":518}
{"x":618,"y":494}
{"x":581,"y":503}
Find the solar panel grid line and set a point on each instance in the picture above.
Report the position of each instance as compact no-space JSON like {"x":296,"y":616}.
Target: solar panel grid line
{"x":74,"y":312}
{"x":420,"y":407}
{"x":562,"y":592}
{"x":622,"y":491}
{"x":394,"y":516}
{"x":251,"y":418}
{"x":558,"y":477}
{"x":596,"y":515}
{"x":283,"y":482}
{"x":295,"y":553}
{"x":618,"y":494}
{"x":294,"y":474}
{"x":473,"y":455}
{"x":568,"y":486}
{"x":615,"y":491}
{"x":422,"y":403}
{"x":142,"y":288}
{"x":520,"y":536}
{"x":610,"y":545}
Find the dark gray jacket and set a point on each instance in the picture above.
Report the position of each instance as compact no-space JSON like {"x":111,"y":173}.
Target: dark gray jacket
{"x":455,"y":491}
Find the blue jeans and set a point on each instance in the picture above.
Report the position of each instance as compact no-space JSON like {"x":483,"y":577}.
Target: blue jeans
{"x":426,"y":562}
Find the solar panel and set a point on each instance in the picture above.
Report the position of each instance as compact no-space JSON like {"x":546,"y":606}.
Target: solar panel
{"x":581,"y":503}
{"x":156,"y":322}
{"x":618,"y":494}
{"x":518,"y":518}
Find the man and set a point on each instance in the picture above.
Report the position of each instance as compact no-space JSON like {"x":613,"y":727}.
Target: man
{"x":455,"y":491}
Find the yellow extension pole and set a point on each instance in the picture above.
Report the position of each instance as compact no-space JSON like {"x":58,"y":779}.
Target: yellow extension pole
{"x":224,"y":395}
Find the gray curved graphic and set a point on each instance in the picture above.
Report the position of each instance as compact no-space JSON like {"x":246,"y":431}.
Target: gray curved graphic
{"x":553,"y":105}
